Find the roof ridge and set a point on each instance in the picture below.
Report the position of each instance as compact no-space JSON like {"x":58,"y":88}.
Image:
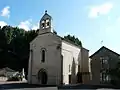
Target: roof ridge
{"x":102,"y":48}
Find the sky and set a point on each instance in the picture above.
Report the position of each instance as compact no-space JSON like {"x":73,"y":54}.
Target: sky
{"x":95,"y":22}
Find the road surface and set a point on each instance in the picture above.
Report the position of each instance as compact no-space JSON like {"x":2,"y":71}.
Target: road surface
{"x":25,"y":86}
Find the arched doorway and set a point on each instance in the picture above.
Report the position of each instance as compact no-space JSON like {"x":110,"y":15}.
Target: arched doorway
{"x":42,"y":76}
{"x":79,"y":77}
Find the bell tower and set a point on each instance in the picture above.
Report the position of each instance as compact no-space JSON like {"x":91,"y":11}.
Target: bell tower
{"x":45,"y":24}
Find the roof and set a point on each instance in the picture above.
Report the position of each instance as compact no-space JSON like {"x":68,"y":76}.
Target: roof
{"x":69,"y":41}
{"x":46,"y":14}
{"x":63,"y":39}
{"x":7,"y":69}
{"x":103,"y":47}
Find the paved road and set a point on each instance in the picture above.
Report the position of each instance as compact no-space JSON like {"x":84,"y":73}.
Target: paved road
{"x":86,"y":86}
{"x":25,"y":86}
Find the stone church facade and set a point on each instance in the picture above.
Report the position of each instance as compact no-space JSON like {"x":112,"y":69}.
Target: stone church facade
{"x":55,"y":61}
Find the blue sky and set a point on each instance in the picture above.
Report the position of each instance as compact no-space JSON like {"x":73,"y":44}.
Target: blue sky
{"x":90,"y":20}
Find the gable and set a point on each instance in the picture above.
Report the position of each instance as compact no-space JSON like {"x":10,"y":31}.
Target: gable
{"x":45,"y":17}
{"x":104,"y":50}
{"x":45,"y":40}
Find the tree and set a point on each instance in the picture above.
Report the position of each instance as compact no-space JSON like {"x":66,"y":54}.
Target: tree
{"x":73,"y":39}
{"x":3,"y":40}
{"x":14,"y":43}
{"x":8,"y":33}
{"x":115,"y":74}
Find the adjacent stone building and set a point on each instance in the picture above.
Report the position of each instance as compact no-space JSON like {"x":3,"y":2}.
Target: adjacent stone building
{"x":55,"y":61}
{"x":101,"y":61}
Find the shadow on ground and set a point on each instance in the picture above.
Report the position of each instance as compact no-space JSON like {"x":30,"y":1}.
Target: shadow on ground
{"x":87,"y":86}
{"x":22,"y":86}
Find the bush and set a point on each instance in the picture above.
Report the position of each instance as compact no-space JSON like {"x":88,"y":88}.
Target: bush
{"x":14,"y":79}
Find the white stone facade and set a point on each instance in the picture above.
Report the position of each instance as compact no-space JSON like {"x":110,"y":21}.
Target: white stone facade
{"x":70,"y":53}
{"x":54,"y":59}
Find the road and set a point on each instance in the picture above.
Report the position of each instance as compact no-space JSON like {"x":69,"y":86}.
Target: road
{"x":25,"y":86}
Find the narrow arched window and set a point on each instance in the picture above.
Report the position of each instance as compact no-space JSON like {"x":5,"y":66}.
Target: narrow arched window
{"x":43,"y":24}
{"x":43,"y":55}
{"x":47,"y":23}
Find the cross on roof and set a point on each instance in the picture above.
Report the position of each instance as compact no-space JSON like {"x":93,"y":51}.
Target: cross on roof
{"x":45,"y":11}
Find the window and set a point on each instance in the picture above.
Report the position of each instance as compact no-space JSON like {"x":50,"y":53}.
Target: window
{"x":31,"y":54}
{"x":43,"y":24}
{"x":48,"y":23}
{"x":104,"y":61}
{"x":101,"y":77}
{"x":104,"y":77}
{"x":43,"y":55}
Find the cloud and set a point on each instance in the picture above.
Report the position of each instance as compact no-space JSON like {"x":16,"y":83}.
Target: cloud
{"x":27,"y":25}
{"x":102,"y":9}
{"x":5,"y":12}
{"x":2,"y":23}
{"x":35,"y":27}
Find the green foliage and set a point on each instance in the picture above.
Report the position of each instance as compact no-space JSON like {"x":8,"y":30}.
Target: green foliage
{"x":115,"y":74}
{"x":14,"y":47}
{"x":3,"y":40}
{"x":73,"y":39}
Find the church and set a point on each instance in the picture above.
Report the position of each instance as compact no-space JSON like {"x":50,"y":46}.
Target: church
{"x":54,"y":60}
